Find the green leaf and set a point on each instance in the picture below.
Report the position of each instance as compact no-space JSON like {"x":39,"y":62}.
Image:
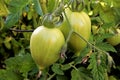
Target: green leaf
{"x":3,"y":9}
{"x":65,"y":67}
{"x":116,"y":3}
{"x":117,"y":12}
{"x":11,"y":20}
{"x":7,"y":42}
{"x":101,"y":37}
{"x":9,"y":75}
{"x":56,"y":69}
{"x":75,"y":75}
{"x":81,"y":74}
{"x":38,"y":7}
{"x":98,"y":65}
{"x":105,"y":12}
{"x":108,"y":25}
{"x":106,"y":47}
{"x":16,"y":7}
{"x":23,"y":64}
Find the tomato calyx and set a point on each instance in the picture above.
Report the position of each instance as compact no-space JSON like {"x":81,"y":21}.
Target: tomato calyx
{"x":77,"y":5}
{"x":55,"y":18}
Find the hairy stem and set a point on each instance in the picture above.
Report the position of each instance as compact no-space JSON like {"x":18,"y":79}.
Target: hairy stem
{"x":43,"y":5}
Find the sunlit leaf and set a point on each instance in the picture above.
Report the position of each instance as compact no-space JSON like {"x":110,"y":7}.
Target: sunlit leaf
{"x":3,"y":9}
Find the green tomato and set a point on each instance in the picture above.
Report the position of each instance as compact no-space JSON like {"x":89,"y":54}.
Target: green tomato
{"x":45,"y":46}
{"x":112,"y":77}
{"x":81,"y":23}
{"x":115,"y":40}
{"x":95,"y":29}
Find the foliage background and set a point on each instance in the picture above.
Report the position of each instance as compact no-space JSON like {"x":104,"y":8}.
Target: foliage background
{"x":18,"y":18}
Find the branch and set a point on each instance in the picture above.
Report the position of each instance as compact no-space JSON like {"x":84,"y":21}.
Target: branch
{"x":18,"y":30}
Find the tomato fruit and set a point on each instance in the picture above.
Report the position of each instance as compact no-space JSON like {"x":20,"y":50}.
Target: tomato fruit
{"x":81,"y":23}
{"x":45,"y":46}
{"x":115,"y":39}
{"x":112,"y":77}
{"x":95,"y":29}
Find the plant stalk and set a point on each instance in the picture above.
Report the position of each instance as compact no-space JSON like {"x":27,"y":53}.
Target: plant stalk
{"x":43,"y":6}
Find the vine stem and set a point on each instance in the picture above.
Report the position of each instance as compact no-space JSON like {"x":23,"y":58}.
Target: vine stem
{"x":51,"y":76}
{"x":43,"y":5}
{"x":19,"y":30}
{"x":91,"y":44}
{"x":64,"y":49}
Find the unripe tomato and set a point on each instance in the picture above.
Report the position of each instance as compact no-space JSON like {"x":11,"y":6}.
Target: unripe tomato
{"x":45,"y":46}
{"x":115,"y":40}
{"x":112,"y":77}
{"x":95,"y":29}
{"x":81,"y":23}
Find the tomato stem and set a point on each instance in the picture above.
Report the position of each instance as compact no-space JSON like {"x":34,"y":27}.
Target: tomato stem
{"x":43,"y":5}
{"x":71,"y":29}
{"x":51,"y":76}
{"x":64,"y":49}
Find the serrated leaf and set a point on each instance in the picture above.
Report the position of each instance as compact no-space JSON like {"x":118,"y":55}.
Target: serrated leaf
{"x":56,"y":69}
{"x":103,"y":36}
{"x":38,"y":7}
{"x":27,"y":64}
{"x":105,"y":12}
{"x":106,"y":47}
{"x":16,"y":7}
{"x":13,"y":63}
{"x":85,"y":74}
{"x":9,"y":75}
{"x":108,"y":25}
{"x":98,"y":66}
{"x":23,"y":64}
{"x":75,"y":75}
{"x":11,"y":20}
{"x":81,"y":74}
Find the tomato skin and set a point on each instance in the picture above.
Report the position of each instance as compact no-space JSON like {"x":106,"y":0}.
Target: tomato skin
{"x":45,"y":46}
{"x":81,"y":23}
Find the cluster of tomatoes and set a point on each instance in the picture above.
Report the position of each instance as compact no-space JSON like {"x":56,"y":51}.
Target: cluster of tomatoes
{"x":46,"y":42}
